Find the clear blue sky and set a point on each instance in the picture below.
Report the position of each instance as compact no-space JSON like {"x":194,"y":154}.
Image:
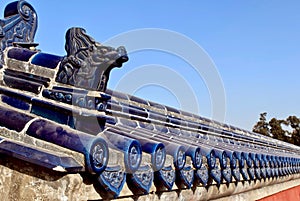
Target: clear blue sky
{"x":255,"y":46}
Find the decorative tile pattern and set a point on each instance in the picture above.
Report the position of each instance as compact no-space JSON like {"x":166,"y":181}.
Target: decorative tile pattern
{"x":64,"y":101}
{"x":140,"y":181}
{"x":111,"y":182}
{"x":164,"y":178}
{"x":94,"y":148}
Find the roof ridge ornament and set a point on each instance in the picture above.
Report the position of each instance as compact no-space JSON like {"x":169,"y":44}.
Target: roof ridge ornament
{"x":88,"y":63}
{"x":18,"y":26}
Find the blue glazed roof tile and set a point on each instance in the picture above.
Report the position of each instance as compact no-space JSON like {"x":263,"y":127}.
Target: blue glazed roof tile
{"x":46,"y":60}
{"x":20,"y":54}
{"x":155,"y":144}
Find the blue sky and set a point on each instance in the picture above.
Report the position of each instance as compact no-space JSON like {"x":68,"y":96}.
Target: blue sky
{"x":255,"y":46}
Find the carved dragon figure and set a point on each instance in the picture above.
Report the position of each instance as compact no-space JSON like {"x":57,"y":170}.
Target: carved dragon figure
{"x":18,"y":26}
{"x":111,"y":137}
{"x":88,"y":63}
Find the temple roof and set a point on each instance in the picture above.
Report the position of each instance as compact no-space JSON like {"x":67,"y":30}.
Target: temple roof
{"x":57,"y":113}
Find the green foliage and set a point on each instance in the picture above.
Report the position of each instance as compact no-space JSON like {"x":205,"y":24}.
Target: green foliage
{"x":294,"y":122}
{"x":274,"y":128}
{"x":262,"y":125}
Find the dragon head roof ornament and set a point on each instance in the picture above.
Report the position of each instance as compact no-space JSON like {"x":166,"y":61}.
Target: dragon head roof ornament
{"x":88,"y":63}
{"x":18,"y":26}
{"x":111,"y":136}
